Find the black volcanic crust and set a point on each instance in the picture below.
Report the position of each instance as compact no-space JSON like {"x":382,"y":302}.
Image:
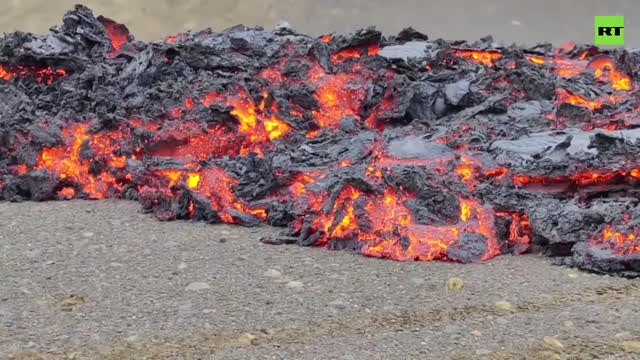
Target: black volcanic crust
{"x":428,"y":123}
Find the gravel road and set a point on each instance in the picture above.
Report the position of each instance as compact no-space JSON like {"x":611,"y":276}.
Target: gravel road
{"x":100,"y":280}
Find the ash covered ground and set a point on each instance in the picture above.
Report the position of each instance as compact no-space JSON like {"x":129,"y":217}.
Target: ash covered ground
{"x":398,"y":147}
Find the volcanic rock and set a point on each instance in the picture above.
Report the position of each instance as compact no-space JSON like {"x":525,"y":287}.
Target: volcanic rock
{"x":395,"y":147}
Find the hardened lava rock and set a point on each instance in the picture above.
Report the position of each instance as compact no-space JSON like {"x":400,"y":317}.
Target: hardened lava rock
{"x":397,"y":147}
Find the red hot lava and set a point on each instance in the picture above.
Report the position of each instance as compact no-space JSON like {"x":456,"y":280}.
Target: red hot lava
{"x":329,"y":137}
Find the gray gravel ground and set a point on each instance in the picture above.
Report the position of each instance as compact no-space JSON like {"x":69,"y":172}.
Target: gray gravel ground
{"x":100,"y":280}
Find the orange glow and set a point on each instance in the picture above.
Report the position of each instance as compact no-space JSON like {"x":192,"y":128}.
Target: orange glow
{"x":497,"y":172}
{"x":355,"y":52}
{"x":568,"y":68}
{"x":67,"y":193}
{"x":536,"y":59}
{"x":20,"y":169}
{"x":117,"y":34}
{"x":336,"y":98}
{"x":604,"y":69}
{"x":431,"y":242}
{"x":216,"y":185}
{"x":581,"y":179}
{"x":486,"y":57}
{"x":259,"y":124}
{"x":65,"y":160}
{"x":326,"y":38}
{"x":193,"y":179}
{"x":273,"y":75}
{"x":42,"y":75}
{"x":622,"y":243}
{"x":5,"y":74}
{"x":568,"y":46}
{"x":566,"y":96}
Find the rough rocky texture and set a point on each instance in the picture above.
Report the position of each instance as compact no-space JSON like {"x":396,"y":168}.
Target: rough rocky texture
{"x":450,"y":150}
{"x":121,"y":294}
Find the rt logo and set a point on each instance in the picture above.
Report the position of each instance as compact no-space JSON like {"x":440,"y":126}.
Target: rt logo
{"x":608,"y":30}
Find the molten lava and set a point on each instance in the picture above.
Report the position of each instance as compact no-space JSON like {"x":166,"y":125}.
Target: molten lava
{"x":432,"y":157}
{"x":481,"y":56}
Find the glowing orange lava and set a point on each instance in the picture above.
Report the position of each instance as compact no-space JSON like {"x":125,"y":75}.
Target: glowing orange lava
{"x":604,"y":69}
{"x":622,"y":243}
{"x":486,"y":57}
{"x":67,"y":162}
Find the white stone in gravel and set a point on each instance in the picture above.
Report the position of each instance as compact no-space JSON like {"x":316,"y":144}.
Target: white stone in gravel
{"x":272,"y":273}
{"x":246,"y":338}
{"x":198,"y":285}
{"x":295,"y":284}
{"x":504,"y":305}
{"x":455,"y":283}
{"x":552,"y":342}
{"x":182,"y":266}
{"x":87,"y":234}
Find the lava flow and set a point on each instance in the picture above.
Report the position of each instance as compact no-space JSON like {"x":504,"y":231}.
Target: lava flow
{"x":395,"y":147}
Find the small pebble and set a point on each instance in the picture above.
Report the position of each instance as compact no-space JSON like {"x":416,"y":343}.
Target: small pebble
{"x":504,"y":306}
{"x":223,"y":240}
{"x":132,"y":338}
{"x":568,"y":323}
{"x":476,"y":333}
{"x":455,"y":283}
{"x":247,"y":339}
{"x":198,"y":285}
{"x":295,"y":284}
{"x":272,"y":273}
{"x":72,"y":300}
{"x":87,"y":234}
{"x":552,"y":342}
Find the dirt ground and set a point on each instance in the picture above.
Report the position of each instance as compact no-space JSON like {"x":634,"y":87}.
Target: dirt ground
{"x":100,"y":280}
{"x":521,"y":21}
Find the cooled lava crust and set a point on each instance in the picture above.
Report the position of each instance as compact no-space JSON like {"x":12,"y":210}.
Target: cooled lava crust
{"x":395,"y":147}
